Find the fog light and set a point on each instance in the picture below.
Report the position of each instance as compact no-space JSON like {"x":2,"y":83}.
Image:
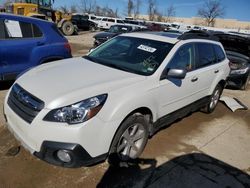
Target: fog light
{"x":64,"y":156}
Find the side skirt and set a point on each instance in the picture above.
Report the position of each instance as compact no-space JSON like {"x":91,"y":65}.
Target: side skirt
{"x":178,"y":114}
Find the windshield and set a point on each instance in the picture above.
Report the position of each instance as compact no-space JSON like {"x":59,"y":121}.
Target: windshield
{"x":135,"y":55}
{"x":45,"y":3}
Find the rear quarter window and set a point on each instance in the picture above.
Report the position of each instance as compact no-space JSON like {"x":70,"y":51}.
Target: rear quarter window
{"x":111,"y":20}
{"x":2,"y":29}
{"x":219,"y":53}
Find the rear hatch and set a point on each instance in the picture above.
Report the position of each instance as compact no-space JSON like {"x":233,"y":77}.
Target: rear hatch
{"x":237,"y":48}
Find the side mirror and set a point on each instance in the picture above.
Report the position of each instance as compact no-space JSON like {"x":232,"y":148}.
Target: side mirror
{"x":173,"y":73}
{"x":176,"y":73}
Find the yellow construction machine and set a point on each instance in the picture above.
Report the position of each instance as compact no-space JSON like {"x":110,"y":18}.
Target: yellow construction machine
{"x":42,"y":9}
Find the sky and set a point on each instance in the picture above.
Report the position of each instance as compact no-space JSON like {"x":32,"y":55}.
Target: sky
{"x":234,"y":9}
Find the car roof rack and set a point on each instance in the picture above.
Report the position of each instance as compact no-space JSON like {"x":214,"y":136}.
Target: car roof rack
{"x":197,"y":34}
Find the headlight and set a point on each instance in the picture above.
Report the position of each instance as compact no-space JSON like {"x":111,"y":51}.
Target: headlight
{"x":78,"y":112}
{"x":239,"y":71}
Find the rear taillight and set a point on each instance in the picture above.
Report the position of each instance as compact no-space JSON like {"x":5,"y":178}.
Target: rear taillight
{"x":67,"y":46}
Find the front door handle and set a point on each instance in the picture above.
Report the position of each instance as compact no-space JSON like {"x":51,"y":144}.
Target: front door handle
{"x":216,"y":71}
{"x":194,"y":79}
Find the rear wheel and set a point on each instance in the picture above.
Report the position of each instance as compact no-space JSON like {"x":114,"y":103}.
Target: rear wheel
{"x":130,"y":140}
{"x":92,"y":28}
{"x":68,"y":28}
{"x":213,"y":100}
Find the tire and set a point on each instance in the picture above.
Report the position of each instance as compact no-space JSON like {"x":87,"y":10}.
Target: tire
{"x":92,"y":28}
{"x":130,"y":140}
{"x":68,"y":28}
{"x":244,"y":86}
{"x":213,"y":100}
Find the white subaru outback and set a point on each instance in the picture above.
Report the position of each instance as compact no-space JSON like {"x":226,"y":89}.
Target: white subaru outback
{"x":81,"y":111}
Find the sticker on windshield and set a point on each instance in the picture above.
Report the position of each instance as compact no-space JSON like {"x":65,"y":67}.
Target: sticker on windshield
{"x":146,"y":48}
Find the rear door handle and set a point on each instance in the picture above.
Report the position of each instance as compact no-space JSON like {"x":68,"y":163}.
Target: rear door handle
{"x":216,"y":71}
{"x":194,"y":79}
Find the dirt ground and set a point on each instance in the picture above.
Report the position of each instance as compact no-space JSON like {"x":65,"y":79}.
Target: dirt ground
{"x":198,"y":151}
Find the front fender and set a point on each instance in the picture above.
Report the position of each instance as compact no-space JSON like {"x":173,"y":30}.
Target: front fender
{"x":117,"y":108}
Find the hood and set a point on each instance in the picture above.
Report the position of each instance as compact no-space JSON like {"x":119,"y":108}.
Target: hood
{"x":107,"y":35}
{"x":69,"y":81}
{"x":235,"y":43}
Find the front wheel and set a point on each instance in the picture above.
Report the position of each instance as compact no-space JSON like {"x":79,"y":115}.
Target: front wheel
{"x":213,"y":100}
{"x":68,"y":28}
{"x":130,"y":140}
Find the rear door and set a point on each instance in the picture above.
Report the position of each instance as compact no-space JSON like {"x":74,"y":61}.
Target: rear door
{"x":17,"y":47}
{"x":206,"y":68}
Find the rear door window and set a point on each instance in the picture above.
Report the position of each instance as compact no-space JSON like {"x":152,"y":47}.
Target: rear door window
{"x":17,"y":29}
{"x":120,"y":21}
{"x":206,"y":55}
{"x":13,"y":29}
{"x":111,"y":20}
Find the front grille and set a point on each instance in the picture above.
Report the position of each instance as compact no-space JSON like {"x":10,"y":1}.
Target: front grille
{"x":24,"y":104}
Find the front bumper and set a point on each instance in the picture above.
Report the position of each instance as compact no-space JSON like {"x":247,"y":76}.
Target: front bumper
{"x":79,"y":156}
{"x":88,"y":142}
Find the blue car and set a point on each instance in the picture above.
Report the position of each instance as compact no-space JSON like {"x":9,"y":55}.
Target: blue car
{"x":26,"y":42}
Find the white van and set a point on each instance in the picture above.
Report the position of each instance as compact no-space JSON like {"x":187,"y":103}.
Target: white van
{"x":107,"y":22}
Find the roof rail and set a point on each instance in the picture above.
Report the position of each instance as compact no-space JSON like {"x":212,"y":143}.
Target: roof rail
{"x":197,"y":34}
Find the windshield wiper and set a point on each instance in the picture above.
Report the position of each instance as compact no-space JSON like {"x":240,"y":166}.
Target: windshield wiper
{"x":116,"y":66}
{"x":90,"y":58}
